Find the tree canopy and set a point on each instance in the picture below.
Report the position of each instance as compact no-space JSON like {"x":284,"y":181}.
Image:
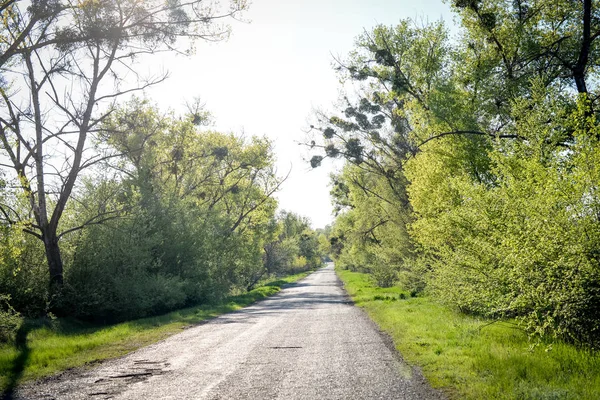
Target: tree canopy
{"x":63,"y":66}
{"x":471,"y":168}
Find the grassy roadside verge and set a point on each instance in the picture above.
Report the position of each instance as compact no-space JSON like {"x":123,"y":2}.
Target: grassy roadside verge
{"x":467,"y":357}
{"x":43,"y":349}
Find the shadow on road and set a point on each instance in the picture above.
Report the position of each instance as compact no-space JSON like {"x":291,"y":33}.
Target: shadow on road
{"x":285,"y":301}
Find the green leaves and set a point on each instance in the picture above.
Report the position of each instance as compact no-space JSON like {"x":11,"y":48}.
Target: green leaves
{"x":472,"y":164}
{"x":516,"y":246}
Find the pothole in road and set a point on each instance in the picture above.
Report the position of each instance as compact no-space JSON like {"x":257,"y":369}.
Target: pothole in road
{"x":114,"y":384}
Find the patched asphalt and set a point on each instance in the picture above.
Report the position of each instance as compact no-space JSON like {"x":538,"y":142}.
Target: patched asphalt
{"x":307,"y":342}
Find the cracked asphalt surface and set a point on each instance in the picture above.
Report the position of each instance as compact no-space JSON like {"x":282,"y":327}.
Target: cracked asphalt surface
{"x":307,"y":342}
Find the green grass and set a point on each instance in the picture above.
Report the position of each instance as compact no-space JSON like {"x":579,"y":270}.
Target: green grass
{"x":43,"y":348}
{"x":469,"y":358}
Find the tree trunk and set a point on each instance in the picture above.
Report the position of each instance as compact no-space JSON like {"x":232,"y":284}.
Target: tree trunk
{"x":55,"y":264}
{"x":579,"y":76}
{"x":579,"y":69}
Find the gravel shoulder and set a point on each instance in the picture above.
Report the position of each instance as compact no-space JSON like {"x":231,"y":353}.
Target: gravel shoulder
{"x":307,"y":342}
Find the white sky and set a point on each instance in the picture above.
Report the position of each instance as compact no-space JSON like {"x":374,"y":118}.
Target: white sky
{"x":275,"y":70}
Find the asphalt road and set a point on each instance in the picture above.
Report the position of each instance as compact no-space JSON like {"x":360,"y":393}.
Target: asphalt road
{"x":307,"y":342}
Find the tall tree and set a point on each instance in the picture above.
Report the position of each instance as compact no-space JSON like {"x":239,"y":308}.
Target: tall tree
{"x":63,"y":64}
{"x":487,"y":138}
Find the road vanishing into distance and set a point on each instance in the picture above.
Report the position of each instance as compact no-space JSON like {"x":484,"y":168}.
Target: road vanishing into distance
{"x":307,"y":342}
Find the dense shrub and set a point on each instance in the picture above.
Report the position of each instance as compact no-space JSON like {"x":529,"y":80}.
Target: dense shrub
{"x":147,"y":264}
{"x":526,"y":245}
{"x":23,"y":271}
{"x":10,"y":319}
